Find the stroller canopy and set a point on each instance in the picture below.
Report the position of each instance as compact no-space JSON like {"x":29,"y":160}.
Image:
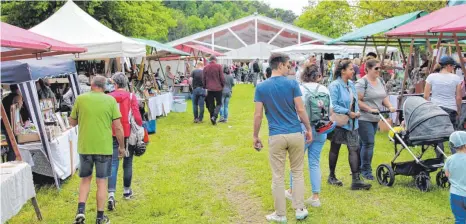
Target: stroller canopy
{"x":425,"y":121}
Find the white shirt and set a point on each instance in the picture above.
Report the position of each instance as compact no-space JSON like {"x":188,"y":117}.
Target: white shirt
{"x":444,"y":89}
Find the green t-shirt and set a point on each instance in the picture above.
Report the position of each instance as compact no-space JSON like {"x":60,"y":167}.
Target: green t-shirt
{"x":95,"y":113}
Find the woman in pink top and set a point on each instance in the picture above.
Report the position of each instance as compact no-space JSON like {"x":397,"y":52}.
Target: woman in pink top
{"x":127,"y":103}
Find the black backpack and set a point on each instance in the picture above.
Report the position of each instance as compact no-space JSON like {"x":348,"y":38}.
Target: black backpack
{"x":255,"y":67}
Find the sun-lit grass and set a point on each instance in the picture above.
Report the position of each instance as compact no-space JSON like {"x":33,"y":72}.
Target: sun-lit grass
{"x":199,"y":173}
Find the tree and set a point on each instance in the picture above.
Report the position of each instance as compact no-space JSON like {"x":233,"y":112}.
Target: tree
{"x":330,"y":18}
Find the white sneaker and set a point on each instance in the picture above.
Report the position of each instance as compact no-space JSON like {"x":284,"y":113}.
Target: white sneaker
{"x":275,"y":218}
{"x":288,"y":195}
{"x":312,"y":202}
{"x":301,"y":213}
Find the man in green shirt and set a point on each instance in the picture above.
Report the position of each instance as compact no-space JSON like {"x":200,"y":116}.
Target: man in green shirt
{"x":96,"y":112}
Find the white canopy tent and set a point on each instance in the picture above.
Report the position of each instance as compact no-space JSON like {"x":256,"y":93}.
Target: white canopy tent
{"x":260,"y":50}
{"x":72,"y":25}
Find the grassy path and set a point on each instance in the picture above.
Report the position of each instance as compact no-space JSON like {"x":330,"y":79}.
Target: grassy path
{"x":199,"y":173}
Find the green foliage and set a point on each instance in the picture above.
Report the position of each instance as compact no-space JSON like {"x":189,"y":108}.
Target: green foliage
{"x":330,"y":18}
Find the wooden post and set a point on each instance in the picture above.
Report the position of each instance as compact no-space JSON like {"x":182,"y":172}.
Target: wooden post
{"x":375,"y":45}
{"x":431,"y":54}
{"x":10,"y":134}
{"x":407,"y":67}
{"x":384,"y":52}
{"x":460,"y":56}
{"x":438,"y":53}
{"x":36,"y":208}
{"x":141,"y":68}
{"x":364,"y":49}
{"x":402,"y":52}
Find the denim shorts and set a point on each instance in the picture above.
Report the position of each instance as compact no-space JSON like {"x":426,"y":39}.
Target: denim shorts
{"x":103,"y":165}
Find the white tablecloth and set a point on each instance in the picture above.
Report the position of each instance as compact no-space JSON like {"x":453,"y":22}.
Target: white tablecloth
{"x":60,"y":153}
{"x":160,"y":105}
{"x":16,"y":187}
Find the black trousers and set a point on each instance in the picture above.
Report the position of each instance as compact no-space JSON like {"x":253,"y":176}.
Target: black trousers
{"x":214,"y":102}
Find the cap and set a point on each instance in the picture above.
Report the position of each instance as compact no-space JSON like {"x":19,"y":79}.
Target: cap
{"x":447,"y":60}
{"x":457,"y":139}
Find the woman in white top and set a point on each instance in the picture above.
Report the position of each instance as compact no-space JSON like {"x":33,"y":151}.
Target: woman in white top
{"x":310,"y":77}
{"x":446,"y":90}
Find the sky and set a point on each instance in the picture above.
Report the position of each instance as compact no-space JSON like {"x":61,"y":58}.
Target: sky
{"x":296,"y":6}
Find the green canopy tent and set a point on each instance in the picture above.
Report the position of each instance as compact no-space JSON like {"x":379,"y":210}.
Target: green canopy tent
{"x":362,"y":35}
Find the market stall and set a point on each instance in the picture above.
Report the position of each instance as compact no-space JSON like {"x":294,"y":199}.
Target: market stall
{"x":46,"y":139}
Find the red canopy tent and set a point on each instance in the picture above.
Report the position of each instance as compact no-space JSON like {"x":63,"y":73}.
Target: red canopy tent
{"x":26,"y":44}
{"x":201,"y":49}
{"x":445,"y":23}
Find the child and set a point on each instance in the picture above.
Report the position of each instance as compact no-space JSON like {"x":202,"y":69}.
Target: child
{"x":455,"y":168}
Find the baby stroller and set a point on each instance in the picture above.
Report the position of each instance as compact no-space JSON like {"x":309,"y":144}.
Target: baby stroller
{"x":426,"y":126}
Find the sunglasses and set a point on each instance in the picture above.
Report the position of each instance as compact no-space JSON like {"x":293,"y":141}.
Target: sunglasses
{"x":377,"y":68}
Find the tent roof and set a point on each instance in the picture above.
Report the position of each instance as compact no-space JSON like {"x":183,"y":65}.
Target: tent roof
{"x":378,"y":27}
{"x":14,"y":72}
{"x":260,"y":50}
{"x":310,"y":48}
{"x":197,"y":49}
{"x":251,"y":30}
{"x":20,"y":43}
{"x":163,"y":50}
{"x":424,"y":25}
{"x":73,"y":25}
{"x":456,"y":26}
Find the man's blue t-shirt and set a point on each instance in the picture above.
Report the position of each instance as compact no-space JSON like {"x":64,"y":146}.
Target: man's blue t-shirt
{"x":277,"y":94}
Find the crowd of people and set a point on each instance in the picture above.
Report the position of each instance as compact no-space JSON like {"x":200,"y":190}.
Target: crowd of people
{"x":346,"y":114}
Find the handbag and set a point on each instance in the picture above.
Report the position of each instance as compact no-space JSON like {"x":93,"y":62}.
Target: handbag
{"x":136,"y":137}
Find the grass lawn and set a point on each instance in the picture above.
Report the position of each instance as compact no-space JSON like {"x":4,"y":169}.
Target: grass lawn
{"x":199,"y":173}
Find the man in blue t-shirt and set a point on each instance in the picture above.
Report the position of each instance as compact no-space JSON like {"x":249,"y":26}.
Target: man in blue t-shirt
{"x":282,"y":101}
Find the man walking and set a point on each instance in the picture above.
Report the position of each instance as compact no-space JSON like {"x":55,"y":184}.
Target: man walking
{"x":199,"y":93}
{"x":96,"y":112}
{"x":214,"y":83}
{"x":281,"y":99}
{"x":256,"y":70}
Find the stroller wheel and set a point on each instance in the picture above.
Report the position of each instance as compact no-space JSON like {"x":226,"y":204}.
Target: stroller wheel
{"x":422,"y":181}
{"x":442,"y":180}
{"x":385,"y":175}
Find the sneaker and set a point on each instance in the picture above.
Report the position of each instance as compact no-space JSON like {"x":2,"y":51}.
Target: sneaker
{"x":359,"y":184}
{"x":111,"y":203}
{"x":312,"y":202}
{"x":129,"y":195}
{"x":368,"y":176}
{"x":196,"y":121}
{"x":334,"y":181}
{"x":79,"y":219}
{"x":221,"y":120}
{"x":275,"y":218}
{"x":288,"y":195}
{"x":104,"y":220}
{"x":213,"y":120}
{"x":301,"y":213}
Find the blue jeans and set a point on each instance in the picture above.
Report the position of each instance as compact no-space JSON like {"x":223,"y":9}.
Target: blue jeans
{"x":224,"y":109}
{"x":127,"y":168}
{"x":313,"y":155}
{"x":367,"y":132}
{"x":458,"y":207}
{"x":198,"y":103}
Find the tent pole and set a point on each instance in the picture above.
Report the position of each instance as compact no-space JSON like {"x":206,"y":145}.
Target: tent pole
{"x":364,"y":49}
{"x":460,"y":56}
{"x":402,"y":52}
{"x":375,"y":45}
{"x":384,"y":52}
{"x":431,"y":54}
{"x":438,"y":52}
{"x":10,"y":134}
{"x":407,"y":67}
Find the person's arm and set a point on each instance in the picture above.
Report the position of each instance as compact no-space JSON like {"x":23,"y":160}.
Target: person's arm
{"x":120,"y":136}
{"x":258,"y":115}
{"x":204,"y":80}
{"x":135,"y":108}
{"x":387,"y":104}
{"x":222,"y":77}
{"x":73,"y":119}
{"x":301,"y":110}
{"x":459,"y":98}
{"x":427,"y":90}
{"x":333,"y":97}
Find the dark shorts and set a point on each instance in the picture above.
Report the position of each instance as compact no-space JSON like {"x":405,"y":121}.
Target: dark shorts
{"x":103,"y":165}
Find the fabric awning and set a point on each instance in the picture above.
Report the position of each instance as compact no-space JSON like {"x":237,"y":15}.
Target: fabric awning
{"x":372,"y":29}
{"x":73,"y":25}
{"x":199,"y":48}
{"x":163,"y":50}
{"x":14,"y":72}
{"x":457,"y":26}
{"x":18,"y":43}
{"x":426,"y":25}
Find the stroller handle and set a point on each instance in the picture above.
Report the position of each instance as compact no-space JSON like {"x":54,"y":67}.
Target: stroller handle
{"x":385,"y":112}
